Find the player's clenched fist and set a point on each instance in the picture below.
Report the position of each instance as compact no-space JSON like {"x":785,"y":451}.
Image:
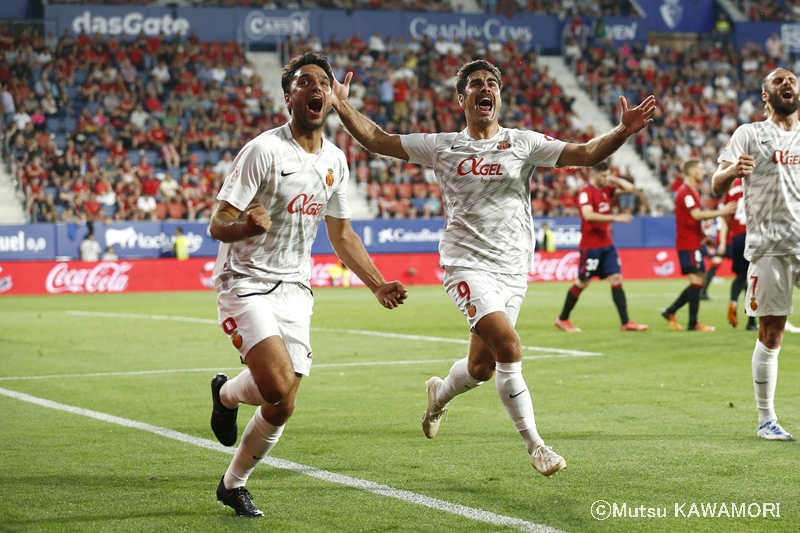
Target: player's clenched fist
{"x":256,"y":220}
{"x":744,"y":166}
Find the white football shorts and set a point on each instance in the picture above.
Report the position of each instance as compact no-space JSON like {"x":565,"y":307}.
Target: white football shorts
{"x":770,"y":279}
{"x":283,"y":309}
{"x":477,"y":293}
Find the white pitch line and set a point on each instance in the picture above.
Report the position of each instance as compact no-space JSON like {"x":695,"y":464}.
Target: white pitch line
{"x":574,"y":353}
{"x":376,"y":488}
{"x":215,"y":370}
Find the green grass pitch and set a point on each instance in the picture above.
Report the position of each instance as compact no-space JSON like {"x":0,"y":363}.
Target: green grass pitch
{"x":657,"y":419}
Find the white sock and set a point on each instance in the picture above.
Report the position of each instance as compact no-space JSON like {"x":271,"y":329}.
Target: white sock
{"x":516,"y":398}
{"x":258,"y":439}
{"x":458,"y":381}
{"x":765,"y":378}
{"x":241,"y":389}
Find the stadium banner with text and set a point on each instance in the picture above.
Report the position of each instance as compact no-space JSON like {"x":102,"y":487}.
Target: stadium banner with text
{"x":134,"y":239}
{"x":259,"y":26}
{"x":28,"y":241}
{"x":163,"y":275}
{"x":142,"y":240}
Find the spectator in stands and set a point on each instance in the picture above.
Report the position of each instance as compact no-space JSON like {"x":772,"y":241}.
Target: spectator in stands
{"x":146,"y":207}
{"x":110,"y":254}
{"x":432,"y":207}
{"x":90,"y":248}
{"x":168,"y":187}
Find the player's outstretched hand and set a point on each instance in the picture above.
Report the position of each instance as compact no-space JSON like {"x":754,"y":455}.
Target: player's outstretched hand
{"x":256,"y":220}
{"x":637,"y":118}
{"x":391,"y":294}
{"x":744,"y":166}
{"x":340,"y":91}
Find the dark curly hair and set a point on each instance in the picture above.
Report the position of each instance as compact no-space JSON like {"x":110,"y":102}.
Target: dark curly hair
{"x":474,"y":66}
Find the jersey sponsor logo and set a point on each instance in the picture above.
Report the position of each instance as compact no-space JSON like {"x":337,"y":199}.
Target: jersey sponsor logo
{"x":780,"y":157}
{"x":503,"y":145}
{"x":478,"y":168}
{"x":302,"y":203}
{"x":329,"y":177}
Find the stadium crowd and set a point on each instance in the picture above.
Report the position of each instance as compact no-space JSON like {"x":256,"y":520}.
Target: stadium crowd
{"x":705,"y":91}
{"x":146,"y":129}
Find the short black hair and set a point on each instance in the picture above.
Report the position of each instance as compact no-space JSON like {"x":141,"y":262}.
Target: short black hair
{"x":309,"y":58}
{"x":602,"y":166}
{"x":474,"y":66}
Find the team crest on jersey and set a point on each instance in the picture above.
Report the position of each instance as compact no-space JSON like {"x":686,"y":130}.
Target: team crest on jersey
{"x":753,"y":304}
{"x":235,"y":176}
{"x":503,"y":145}
{"x":236,"y":339}
{"x":329,"y":178}
{"x":471,"y":310}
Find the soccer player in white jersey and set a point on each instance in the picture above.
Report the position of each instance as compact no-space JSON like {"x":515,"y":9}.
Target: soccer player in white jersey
{"x":487,"y":246}
{"x":766,"y":155}
{"x":279,"y":187}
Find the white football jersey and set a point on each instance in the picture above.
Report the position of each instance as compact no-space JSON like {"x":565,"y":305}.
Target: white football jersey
{"x":297,"y":189}
{"x":485,"y":194}
{"x":772,"y":192}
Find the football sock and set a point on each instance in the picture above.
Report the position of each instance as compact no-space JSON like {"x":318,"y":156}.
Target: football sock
{"x":751,"y":321}
{"x":516,"y":398}
{"x":710,"y":276}
{"x":738,"y":286}
{"x":258,"y":439}
{"x":619,"y":300}
{"x":572,"y":299}
{"x":680,"y":302}
{"x":693,"y":295}
{"x":241,"y":389}
{"x":765,"y":378}
{"x":457,"y":381}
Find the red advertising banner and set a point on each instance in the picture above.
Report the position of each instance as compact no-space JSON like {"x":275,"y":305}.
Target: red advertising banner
{"x":154,"y":275}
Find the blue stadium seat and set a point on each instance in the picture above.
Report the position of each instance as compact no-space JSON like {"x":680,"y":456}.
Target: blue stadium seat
{"x":61,"y":141}
{"x":60,"y":209}
{"x":72,"y":92}
{"x":93,"y":107}
{"x":54,"y":125}
{"x":70,"y":124}
{"x":152,"y":156}
{"x":102,"y":155}
{"x":176,"y":173}
{"x":134,"y":156}
{"x":80,"y":77}
{"x":201,"y":156}
{"x":110,"y":210}
{"x":52,"y":191}
{"x":212,"y":156}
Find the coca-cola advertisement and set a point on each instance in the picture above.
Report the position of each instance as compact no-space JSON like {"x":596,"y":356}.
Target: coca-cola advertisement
{"x":149,"y":275}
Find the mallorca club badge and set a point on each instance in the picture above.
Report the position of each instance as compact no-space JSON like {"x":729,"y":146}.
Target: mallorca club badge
{"x":753,"y":304}
{"x":471,"y":310}
{"x":236,"y":339}
{"x":329,"y":178}
{"x":503,"y":145}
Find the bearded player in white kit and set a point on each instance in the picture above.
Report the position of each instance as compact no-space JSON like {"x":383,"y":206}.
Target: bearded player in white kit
{"x":279,"y":187}
{"x":487,"y":246}
{"x":766,"y":155}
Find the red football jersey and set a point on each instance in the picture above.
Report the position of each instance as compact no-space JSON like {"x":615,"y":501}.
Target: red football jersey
{"x":595,"y":234}
{"x":736,"y":223}
{"x":689,"y":234}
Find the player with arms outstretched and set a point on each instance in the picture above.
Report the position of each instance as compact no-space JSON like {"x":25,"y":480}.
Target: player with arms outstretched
{"x":487,"y":247}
